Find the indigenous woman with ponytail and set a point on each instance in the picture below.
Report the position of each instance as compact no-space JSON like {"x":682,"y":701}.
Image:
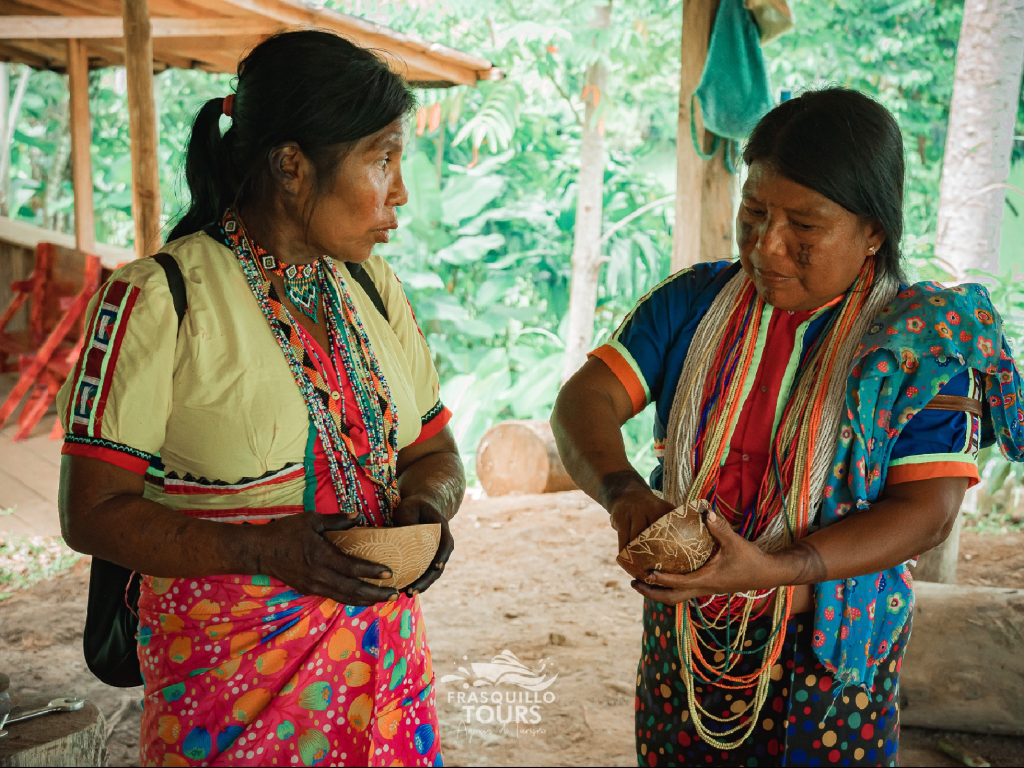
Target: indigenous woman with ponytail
{"x":296,"y":396}
{"x":830,"y":414}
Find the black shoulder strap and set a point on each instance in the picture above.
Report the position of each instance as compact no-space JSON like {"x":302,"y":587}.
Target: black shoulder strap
{"x":360,"y":276}
{"x":175,"y":282}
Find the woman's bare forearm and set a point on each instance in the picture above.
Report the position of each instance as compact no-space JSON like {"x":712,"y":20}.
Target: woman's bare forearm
{"x":586,"y":422}
{"x":437,"y":477}
{"x":145,"y":536}
{"x":913,"y":518}
{"x":432,"y":470}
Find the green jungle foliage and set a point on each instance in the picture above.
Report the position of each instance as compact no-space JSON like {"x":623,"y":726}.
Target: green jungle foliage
{"x":485,"y":242}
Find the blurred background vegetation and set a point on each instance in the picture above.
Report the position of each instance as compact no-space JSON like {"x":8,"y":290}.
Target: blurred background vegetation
{"x":485,"y":242}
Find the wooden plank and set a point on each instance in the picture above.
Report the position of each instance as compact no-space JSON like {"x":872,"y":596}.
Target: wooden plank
{"x":24,"y":235}
{"x":13,"y":492}
{"x":65,"y":27}
{"x":718,"y":190}
{"x":413,"y":57}
{"x":143,"y":128}
{"x":389,"y":39}
{"x":53,"y":52}
{"x":81,"y":142}
{"x":22,"y":56}
{"x":77,"y":7}
{"x":698,"y":17}
{"x":114,"y":49}
{"x":39,"y":476}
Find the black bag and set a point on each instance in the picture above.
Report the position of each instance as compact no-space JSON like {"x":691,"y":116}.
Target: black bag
{"x":111,"y":619}
{"x":112,"y":615}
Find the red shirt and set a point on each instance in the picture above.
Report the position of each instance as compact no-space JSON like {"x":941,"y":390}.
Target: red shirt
{"x":750,"y":447}
{"x":337,"y":380}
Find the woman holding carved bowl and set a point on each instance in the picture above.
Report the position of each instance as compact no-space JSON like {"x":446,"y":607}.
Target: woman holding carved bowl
{"x":220,"y":450}
{"x":829,"y":417}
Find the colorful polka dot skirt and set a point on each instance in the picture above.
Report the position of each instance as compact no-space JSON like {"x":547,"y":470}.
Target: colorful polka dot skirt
{"x":805,"y":720}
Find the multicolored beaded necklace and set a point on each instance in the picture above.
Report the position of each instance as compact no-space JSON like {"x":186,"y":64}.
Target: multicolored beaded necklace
{"x":351,"y":349}
{"x":301,"y":282}
{"x":785,"y":501}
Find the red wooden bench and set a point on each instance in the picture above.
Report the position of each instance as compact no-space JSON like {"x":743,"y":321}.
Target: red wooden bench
{"x":57,"y":294}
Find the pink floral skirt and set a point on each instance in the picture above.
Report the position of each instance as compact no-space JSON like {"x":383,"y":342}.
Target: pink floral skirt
{"x":242,"y":670}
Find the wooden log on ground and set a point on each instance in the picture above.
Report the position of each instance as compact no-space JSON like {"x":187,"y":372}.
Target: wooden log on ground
{"x":938,"y":565}
{"x":64,"y":739}
{"x":521,"y":457}
{"x":964,"y":667}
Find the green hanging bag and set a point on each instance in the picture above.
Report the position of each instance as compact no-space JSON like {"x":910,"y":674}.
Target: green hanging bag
{"x":734,"y":91}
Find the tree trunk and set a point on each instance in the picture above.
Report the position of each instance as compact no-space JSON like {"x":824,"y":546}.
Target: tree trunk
{"x":11,"y":113}
{"x":586,"y":248}
{"x":986,"y":91}
{"x":58,"y":167}
{"x":5,"y":116}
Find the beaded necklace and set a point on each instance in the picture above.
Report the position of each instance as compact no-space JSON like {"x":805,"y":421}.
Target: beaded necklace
{"x":351,"y":348}
{"x":301,"y":282}
{"x":707,"y":403}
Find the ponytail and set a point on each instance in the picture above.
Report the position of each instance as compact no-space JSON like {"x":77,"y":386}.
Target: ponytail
{"x":310,"y":86}
{"x":207,"y":172}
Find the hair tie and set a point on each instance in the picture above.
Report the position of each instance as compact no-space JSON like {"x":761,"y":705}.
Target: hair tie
{"x":228,"y":104}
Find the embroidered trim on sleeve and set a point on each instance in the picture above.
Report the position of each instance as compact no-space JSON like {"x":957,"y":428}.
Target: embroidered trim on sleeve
{"x":433,"y":421}
{"x":95,"y":368}
{"x":119,"y":455}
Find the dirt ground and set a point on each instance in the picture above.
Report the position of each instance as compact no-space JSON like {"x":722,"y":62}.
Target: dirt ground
{"x":532,"y":575}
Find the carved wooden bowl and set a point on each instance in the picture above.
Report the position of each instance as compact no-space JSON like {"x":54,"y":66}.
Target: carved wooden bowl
{"x":679,"y":542}
{"x":408,"y":550}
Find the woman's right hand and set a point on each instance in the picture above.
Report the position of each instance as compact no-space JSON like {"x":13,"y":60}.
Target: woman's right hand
{"x":635,"y":510}
{"x":294,"y":550}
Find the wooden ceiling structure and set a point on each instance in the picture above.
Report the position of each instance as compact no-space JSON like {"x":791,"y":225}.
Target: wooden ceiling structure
{"x":211,"y":35}
{"x":147,"y":36}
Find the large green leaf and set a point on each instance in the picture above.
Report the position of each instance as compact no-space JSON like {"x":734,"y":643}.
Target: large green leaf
{"x":424,"y":190}
{"x":468,"y":250}
{"x":465,"y":196}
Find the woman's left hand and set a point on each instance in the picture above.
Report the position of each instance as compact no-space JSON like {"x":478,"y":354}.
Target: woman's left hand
{"x":413,"y":510}
{"x":738,"y":566}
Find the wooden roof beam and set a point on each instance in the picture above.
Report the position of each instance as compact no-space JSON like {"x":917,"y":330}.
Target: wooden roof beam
{"x":92,"y":27}
{"x":14,"y":53}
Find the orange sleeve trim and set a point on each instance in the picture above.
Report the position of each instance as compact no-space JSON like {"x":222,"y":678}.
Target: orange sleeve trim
{"x":109,"y":455}
{"x":434,"y":426}
{"x":908,"y":473}
{"x":624,"y":372}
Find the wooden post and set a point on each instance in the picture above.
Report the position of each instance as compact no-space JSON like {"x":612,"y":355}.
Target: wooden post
{"x":81,"y":141}
{"x":717,"y":217}
{"x":690,"y":242}
{"x":138,"y":59}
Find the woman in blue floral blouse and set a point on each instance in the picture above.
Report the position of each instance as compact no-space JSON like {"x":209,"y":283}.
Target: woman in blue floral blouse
{"x":831,"y":414}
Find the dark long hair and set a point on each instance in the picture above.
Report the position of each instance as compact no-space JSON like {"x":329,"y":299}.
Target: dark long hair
{"x":311,"y":87}
{"x":845,"y":146}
